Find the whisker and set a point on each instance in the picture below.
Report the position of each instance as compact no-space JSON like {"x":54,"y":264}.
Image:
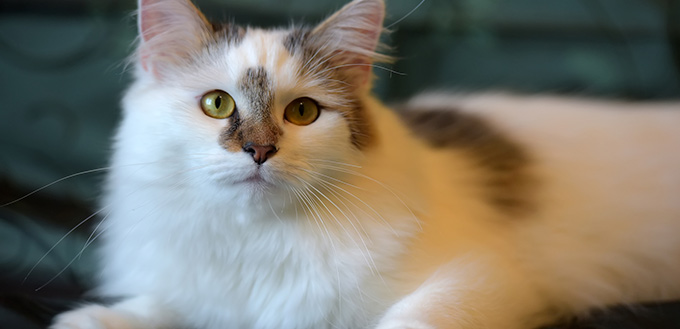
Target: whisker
{"x":327,"y":209}
{"x":370,"y":65}
{"x":330,"y":238}
{"x":334,"y":179}
{"x":305,"y":66}
{"x":329,"y":188}
{"x":274,"y":212}
{"x":367,"y":205}
{"x":85,"y":172}
{"x":88,"y":242}
{"x":58,"y":242}
{"x":321,"y":62}
{"x":335,"y":162}
{"x":404,"y":17}
{"x":55,"y":182}
{"x":352,"y":172}
{"x":367,"y":256}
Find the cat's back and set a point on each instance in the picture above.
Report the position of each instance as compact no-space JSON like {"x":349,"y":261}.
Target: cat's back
{"x":553,"y":117}
{"x":597,"y":183}
{"x":571,"y":160}
{"x":586,"y":150}
{"x":549,"y":128}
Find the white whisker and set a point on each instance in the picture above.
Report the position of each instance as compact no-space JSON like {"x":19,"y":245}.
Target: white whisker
{"x":389,"y":189}
{"x":370,"y":65}
{"x":91,"y":237}
{"x":274,"y":212}
{"x":404,"y":17}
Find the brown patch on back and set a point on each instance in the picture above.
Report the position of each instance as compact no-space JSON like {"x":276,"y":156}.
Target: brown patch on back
{"x":311,"y":52}
{"x":508,"y":185}
{"x":259,"y":127}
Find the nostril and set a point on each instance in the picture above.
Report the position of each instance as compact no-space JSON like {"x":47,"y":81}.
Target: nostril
{"x":271,"y":150}
{"x":260,"y":153}
{"x":248,"y":148}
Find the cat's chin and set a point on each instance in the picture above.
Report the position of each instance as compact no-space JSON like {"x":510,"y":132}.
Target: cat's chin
{"x":254,"y":181}
{"x":254,"y":186}
{"x":245,"y":181}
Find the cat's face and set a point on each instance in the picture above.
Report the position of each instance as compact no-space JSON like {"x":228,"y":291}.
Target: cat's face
{"x":251,"y":109}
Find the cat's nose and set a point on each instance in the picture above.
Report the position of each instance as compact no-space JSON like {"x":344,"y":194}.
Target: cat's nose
{"x":260,"y":153}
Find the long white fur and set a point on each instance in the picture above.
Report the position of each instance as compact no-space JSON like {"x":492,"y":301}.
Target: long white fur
{"x":392,"y":237}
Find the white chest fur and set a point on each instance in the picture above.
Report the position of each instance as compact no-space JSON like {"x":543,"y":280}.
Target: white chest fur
{"x":271,"y":271}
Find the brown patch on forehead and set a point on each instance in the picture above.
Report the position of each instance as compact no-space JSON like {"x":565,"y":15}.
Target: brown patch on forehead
{"x":259,"y":126}
{"x":258,"y":91}
{"x":295,"y":40}
{"x":229,"y":32}
{"x":508,"y":184}
{"x":314,"y":61}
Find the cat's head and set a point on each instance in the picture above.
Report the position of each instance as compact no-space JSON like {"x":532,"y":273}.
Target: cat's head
{"x":252,"y":108}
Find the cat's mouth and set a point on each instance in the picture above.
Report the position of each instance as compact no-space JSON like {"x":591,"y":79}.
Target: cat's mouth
{"x":255,"y":179}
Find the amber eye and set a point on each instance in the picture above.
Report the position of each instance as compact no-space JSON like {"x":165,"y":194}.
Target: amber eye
{"x":218,"y":104}
{"x":302,"y":111}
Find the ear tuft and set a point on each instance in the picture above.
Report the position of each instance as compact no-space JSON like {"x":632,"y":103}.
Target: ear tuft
{"x":170,"y":31}
{"x":353,"y":34}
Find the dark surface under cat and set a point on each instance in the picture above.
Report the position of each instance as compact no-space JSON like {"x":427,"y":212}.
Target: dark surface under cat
{"x":22,"y":307}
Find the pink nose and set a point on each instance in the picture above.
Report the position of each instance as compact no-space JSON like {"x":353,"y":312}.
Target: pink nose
{"x":260,"y":153}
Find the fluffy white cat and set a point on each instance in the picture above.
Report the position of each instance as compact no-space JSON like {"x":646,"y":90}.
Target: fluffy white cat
{"x":257,"y":184}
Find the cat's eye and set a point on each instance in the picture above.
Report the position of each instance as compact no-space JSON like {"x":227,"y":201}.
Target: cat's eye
{"x":302,"y":111}
{"x":218,"y":104}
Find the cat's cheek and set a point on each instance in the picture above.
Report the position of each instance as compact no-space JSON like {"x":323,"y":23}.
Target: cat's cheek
{"x":332,"y":127}
{"x":326,"y":133}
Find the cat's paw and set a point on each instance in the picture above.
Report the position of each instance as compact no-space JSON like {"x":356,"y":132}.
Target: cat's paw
{"x":92,"y":317}
{"x":404,"y":324}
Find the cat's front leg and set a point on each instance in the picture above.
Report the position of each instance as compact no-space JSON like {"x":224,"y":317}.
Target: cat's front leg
{"x":468,"y":295}
{"x":134,"y":313}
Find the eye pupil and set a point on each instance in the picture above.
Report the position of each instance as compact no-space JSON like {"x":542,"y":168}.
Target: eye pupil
{"x":218,"y":104}
{"x":302,"y":111}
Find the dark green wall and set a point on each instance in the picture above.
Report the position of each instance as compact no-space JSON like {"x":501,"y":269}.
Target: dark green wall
{"x":61,"y":62}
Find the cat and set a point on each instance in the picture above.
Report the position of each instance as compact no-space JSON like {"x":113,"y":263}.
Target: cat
{"x":256,"y":183}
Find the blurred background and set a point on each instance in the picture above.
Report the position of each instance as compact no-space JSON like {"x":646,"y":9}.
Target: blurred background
{"x":62,"y":75}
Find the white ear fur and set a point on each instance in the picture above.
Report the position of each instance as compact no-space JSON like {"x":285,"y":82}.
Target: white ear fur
{"x":170,"y":30}
{"x":353,"y":33}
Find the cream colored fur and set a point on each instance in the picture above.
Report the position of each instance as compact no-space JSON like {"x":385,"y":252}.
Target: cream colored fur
{"x":393,"y":236}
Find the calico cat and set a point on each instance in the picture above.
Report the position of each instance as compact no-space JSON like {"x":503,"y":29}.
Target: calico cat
{"x":256,"y":183}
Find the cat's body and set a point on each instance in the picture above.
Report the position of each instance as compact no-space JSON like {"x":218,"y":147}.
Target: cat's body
{"x":487,"y":211}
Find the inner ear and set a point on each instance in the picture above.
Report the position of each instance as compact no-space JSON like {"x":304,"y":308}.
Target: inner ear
{"x":170,"y":31}
{"x":352,"y":35}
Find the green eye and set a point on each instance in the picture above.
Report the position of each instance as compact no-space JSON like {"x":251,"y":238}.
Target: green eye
{"x":302,"y":111}
{"x":218,"y":104}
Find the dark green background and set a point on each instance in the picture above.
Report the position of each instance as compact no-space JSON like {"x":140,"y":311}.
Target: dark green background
{"x":62,"y":75}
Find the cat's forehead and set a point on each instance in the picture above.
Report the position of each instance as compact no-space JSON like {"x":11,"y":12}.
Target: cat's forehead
{"x":259,"y":47}
{"x":262,"y":51}
{"x":264,"y":62}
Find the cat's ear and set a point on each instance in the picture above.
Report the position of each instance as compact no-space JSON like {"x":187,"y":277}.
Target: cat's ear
{"x":170,"y":31}
{"x":352,"y":34}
